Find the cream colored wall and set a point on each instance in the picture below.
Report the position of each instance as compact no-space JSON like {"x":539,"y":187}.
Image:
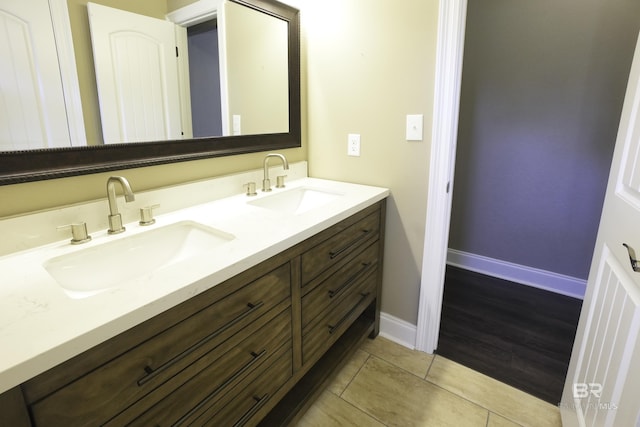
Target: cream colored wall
{"x":256,"y":65}
{"x":177,"y":4}
{"x":369,"y":65}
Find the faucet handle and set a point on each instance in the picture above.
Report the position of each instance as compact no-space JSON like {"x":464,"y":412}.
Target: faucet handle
{"x":78,"y":232}
{"x":251,"y":188}
{"x":146,"y":215}
{"x":280,"y":181}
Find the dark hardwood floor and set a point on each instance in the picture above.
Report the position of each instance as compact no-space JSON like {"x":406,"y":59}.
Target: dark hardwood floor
{"x":517,"y":334}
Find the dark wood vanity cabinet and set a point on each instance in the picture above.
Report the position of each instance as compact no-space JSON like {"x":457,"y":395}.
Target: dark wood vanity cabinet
{"x":256,"y":348}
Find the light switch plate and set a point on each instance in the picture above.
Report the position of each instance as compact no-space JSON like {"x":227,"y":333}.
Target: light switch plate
{"x":353,"y":145}
{"x":414,"y":127}
{"x":237,"y":124}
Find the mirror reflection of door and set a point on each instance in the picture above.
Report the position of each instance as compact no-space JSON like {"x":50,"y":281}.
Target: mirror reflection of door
{"x":136,"y":62}
{"x":32,"y":105}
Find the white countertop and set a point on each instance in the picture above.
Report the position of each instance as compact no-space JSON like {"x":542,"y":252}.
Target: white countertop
{"x":42,"y":326}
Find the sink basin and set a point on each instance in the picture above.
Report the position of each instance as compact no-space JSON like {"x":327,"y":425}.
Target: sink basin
{"x":89,"y":271}
{"x":297,"y":200}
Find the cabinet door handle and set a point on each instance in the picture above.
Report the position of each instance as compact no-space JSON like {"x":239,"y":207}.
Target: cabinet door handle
{"x":333,"y":328}
{"x":350,"y":280}
{"x":152,"y":373}
{"x":363,"y":235}
{"x":260,"y":401}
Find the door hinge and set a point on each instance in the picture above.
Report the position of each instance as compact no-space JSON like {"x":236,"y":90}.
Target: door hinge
{"x":448,"y":186}
{"x":177,"y":55}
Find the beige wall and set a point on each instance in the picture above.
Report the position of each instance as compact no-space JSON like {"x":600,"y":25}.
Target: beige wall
{"x":369,"y":65}
{"x":257,"y":74}
{"x":177,"y":4}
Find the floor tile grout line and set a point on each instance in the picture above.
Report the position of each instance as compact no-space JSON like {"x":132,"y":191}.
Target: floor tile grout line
{"x":426,"y":380}
{"x":518,"y":423}
{"x":429,"y":367}
{"x":489,"y":411}
{"x":369,"y":356}
{"x":355,"y":375}
{"x":340,"y":396}
{"x":400,"y":367}
{"x":462,"y":397}
{"x":364,"y":412}
{"x":505,"y":416}
{"x":422,"y":379}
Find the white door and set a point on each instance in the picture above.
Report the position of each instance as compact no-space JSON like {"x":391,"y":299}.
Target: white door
{"x":603,"y":382}
{"x":32,"y":105}
{"x":137,"y":75}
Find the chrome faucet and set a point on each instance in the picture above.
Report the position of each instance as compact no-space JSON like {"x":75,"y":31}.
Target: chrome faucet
{"x":266,"y":183}
{"x":115,"y":219}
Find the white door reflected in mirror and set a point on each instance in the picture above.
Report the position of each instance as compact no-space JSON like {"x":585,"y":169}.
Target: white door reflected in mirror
{"x":33,"y":114}
{"x":137,"y":76}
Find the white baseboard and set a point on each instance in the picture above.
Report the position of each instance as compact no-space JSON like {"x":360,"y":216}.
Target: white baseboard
{"x":397,"y":330}
{"x":542,"y":279}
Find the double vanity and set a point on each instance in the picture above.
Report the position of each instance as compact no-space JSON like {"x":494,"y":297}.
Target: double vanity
{"x":233,"y":311}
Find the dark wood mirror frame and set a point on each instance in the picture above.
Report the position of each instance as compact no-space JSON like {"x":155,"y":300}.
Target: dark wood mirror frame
{"x":34,"y":165}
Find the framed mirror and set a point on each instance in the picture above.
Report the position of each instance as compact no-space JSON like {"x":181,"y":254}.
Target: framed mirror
{"x":39,"y":164}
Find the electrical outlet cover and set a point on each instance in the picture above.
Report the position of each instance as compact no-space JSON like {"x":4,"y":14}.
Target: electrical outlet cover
{"x":353,"y":145}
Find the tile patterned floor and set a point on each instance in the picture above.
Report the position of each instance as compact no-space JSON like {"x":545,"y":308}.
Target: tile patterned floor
{"x":386,"y":384}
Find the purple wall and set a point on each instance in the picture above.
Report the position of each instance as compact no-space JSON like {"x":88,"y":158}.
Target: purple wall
{"x":204,"y":78}
{"x":542,"y":91}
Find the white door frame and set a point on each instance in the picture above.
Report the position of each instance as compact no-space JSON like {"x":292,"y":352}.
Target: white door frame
{"x":452,"y":16}
{"x":201,"y":11}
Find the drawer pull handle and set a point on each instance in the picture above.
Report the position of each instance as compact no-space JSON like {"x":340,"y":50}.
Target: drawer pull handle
{"x":333,"y":328}
{"x":260,"y":401}
{"x":350,"y":280}
{"x":337,"y":252}
{"x":203,"y":402}
{"x":152,"y":373}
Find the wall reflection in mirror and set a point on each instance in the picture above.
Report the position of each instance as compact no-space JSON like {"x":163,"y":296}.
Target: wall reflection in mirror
{"x":140,"y":77}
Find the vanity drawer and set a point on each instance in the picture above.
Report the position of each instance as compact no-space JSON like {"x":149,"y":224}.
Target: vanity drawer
{"x":320,"y":299}
{"x":159,"y":362}
{"x":247,"y":399}
{"x":217,"y":382}
{"x":321,"y":333}
{"x":339,"y":246}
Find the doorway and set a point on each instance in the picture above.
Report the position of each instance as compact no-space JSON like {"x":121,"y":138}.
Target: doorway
{"x":452,"y":28}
